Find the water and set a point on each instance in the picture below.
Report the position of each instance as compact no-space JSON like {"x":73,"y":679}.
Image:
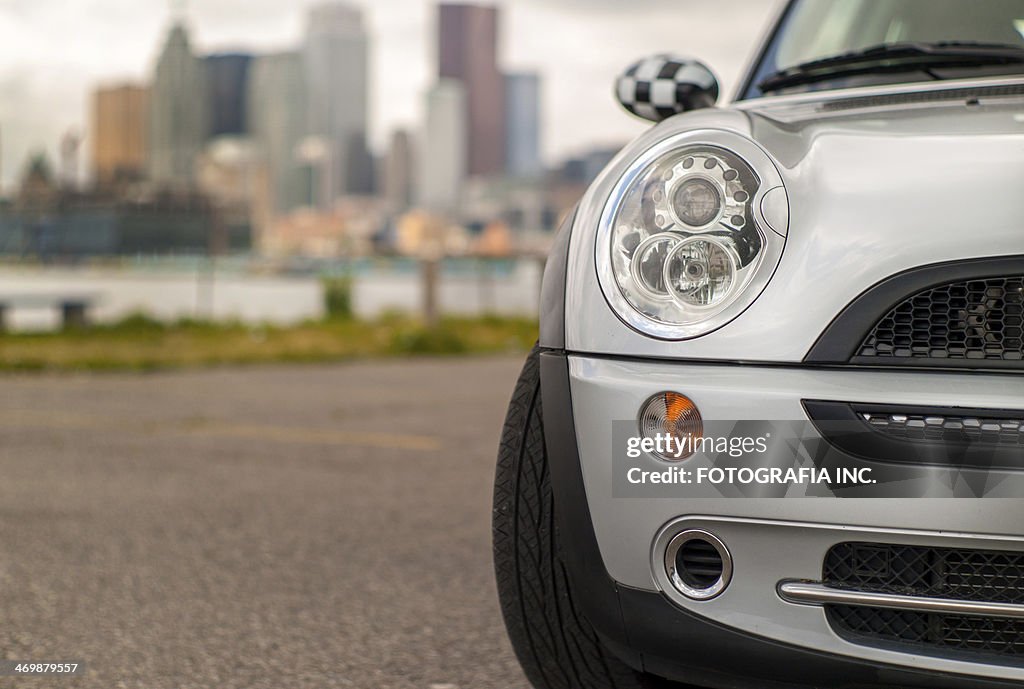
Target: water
{"x":173,"y":291}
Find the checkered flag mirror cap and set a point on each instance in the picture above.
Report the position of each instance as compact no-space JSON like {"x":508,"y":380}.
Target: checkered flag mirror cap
{"x":665,"y":85}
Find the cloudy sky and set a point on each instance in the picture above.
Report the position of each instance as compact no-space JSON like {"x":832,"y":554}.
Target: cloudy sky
{"x":53,"y":52}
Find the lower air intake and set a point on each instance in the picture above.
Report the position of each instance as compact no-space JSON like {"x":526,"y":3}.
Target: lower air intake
{"x":949,"y":573}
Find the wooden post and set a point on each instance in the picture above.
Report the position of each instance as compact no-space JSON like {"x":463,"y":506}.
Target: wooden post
{"x":206,"y":275}
{"x":485,"y":278}
{"x":3,"y":318}
{"x":430,"y":274}
{"x":73,"y":314}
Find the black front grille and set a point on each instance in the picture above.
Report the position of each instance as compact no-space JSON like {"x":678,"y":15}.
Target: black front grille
{"x":951,"y":573}
{"x":956,"y":635}
{"x":948,"y":428}
{"x":973,"y":320}
{"x":973,"y":575}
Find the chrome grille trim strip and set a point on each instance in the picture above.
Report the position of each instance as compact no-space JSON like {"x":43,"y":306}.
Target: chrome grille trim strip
{"x":809,"y":593}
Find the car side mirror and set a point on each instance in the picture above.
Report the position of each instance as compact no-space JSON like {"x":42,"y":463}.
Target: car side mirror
{"x":665,"y":85}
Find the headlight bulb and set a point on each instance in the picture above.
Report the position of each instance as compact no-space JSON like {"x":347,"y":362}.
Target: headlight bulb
{"x":701,"y":272}
{"x":697,"y":202}
{"x":704,"y":191}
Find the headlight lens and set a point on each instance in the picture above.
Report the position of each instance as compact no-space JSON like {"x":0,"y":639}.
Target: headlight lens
{"x":701,"y":272}
{"x":697,"y":202}
{"x":684,"y":238}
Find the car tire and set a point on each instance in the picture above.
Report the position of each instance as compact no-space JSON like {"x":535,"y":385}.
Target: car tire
{"x":556,"y":646}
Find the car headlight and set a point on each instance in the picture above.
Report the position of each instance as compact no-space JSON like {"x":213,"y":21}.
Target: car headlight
{"x":692,"y":234}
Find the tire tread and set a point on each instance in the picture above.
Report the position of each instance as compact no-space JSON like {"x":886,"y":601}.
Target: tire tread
{"x":556,"y":646}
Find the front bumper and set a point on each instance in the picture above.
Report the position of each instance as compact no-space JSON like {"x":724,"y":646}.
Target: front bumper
{"x":770,"y":539}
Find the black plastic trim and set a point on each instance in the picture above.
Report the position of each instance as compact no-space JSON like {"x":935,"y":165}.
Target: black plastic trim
{"x":949,"y":368}
{"x":932,"y":364}
{"x":940,"y":411}
{"x":839,"y":424}
{"x":651,"y":634}
{"x":953,"y":93}
{"x":597,"y":592}
{"x":916,"y":648}
{"x":552,"y":291}
{"x":842,"y":339}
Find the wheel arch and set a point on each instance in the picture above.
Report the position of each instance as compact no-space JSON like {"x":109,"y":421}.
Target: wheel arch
{"x":552,"y":292}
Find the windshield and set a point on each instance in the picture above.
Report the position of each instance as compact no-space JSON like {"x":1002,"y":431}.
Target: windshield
{"x":816,"y":29}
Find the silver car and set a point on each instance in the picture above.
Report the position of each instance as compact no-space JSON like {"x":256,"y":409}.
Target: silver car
{"x":773,"y":431}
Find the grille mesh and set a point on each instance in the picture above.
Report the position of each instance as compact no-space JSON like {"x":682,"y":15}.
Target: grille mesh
{"x":958,"y":574}
{"x":974,"y":575}
{"x":988,"y":636}
{"x":946,"y":428}
{"x":973,"y":320}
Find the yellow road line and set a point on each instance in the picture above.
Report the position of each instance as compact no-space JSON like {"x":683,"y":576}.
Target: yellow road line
{"x":321,"y":436}
{"x":282,"y":434}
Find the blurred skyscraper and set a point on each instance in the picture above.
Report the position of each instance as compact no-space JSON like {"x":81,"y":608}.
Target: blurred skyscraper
{"x":227,"y":76}
{"x":398,"y":172}
{"x":70,"y":148}
{"x":522,"y":108}
{"x":468,"y":52}
{"x":336,"y":68}
{"x":278,"y":120}
{"x":120,"y":123}
{"x":178,"y":113}
{"x":443,"y":147}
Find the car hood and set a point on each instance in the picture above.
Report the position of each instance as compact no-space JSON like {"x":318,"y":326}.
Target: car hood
{"x":930,"y":124}
{"x":898,"y":170}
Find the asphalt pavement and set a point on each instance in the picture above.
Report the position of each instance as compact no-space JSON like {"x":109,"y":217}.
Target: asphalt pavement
{"x":285,"y":527}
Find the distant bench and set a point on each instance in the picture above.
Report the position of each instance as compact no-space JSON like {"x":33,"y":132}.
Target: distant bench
{"x":73,"y":309}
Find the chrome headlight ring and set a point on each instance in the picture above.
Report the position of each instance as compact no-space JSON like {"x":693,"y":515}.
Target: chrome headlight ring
{"x":691,"y":234}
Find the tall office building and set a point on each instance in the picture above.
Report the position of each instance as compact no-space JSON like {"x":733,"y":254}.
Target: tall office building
{"x":336,"y":70}
{"x":443,"y":160}
{"x":522,"y":118}
{"x":277,"y":104}
{"x":120,"y":123}
{"x":178,"y":123}
{"x":468,"y":52}
{"x":227,"y":77}
{"x":70,"y":147}
{"x":398,"y":174}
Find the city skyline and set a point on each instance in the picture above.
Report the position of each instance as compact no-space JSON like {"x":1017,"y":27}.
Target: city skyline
{"x":468,"y":42}
{"x":42,"y":94}
{"x":268,"y":152}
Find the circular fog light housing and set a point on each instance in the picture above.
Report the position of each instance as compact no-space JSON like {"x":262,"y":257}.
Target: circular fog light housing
{"x":698,"y":564}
